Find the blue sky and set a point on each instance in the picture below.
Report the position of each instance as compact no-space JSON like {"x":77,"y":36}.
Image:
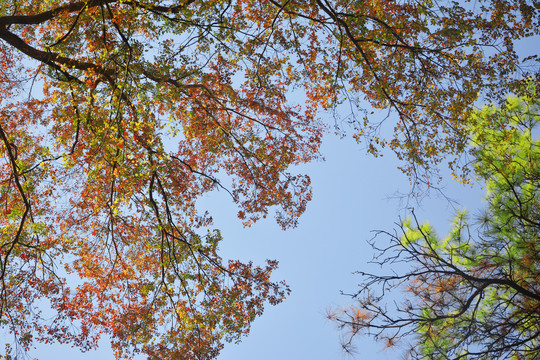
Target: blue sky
{"x":352,"y":196}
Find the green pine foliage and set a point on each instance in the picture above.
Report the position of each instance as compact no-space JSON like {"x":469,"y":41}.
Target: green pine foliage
{"x":475,"y":293}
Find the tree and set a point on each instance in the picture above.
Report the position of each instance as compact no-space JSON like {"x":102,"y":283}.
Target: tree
{"x":100,"y":173}
{"x":148,"y":105}
{"x":473,"y":294}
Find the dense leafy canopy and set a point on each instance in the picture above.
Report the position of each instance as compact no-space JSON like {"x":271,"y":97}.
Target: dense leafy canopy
{"x":475,"y":293}
{"x":101,"y":173}
{"x":116,"y":116}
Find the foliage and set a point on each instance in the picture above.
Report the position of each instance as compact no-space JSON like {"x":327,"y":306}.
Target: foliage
{"x":100,"y":174}
{"x":116,"y":116}
{"x":475,"y":293}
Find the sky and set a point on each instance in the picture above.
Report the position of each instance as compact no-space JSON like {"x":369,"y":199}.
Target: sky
{"x":353,"y":195}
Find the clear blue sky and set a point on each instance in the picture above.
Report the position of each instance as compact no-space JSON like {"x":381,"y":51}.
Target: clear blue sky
{"x":352,"y":194}
{"x":351,"y":198}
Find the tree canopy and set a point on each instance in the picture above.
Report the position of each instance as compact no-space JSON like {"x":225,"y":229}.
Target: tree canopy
{"x":473,"y":294}
{"x":116,"y":116}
